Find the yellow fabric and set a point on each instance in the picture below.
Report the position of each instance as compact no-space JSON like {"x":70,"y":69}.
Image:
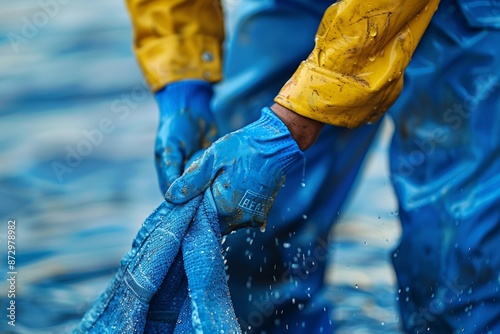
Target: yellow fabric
{"x":355,"y":72}
{"x":177,"y":39}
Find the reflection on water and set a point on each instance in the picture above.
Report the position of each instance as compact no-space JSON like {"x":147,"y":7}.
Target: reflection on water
{"x":76,"y":172}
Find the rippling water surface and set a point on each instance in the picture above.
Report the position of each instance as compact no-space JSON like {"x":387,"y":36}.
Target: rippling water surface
{"x":61,"y":79}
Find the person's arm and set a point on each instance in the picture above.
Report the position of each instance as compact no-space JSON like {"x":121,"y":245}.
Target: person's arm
{"x":178,"y":46}
{"x":177,"y":39}
{"x":304,"y":130}
{"x":355,"y":71}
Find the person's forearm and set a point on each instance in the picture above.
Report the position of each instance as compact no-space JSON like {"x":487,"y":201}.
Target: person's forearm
{"x":304,"y":130}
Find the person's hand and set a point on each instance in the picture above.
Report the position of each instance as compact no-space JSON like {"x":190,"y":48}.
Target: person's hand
{"x":244,"y":170}
{"x":186,"y":126}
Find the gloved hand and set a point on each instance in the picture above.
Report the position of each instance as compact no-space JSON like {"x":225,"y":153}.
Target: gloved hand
{"x":244,"y":170}
{"x":186,"y":126}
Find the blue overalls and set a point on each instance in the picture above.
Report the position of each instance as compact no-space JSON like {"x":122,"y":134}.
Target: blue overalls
{"x":444,"y":159}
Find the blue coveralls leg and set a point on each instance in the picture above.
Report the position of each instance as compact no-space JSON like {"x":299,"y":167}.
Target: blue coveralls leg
{"x":276,"y":277}
{"x":445,"y":164}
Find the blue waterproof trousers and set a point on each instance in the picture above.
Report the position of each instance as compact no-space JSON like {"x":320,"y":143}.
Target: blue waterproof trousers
{"x":445,"y":165}
{"x":444,"y":159}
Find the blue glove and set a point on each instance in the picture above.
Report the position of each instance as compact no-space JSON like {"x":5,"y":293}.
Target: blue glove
{"x":186,"y":126}
{"x":244,"y":170}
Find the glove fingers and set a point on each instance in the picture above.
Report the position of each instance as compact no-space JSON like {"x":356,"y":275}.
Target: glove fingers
{"x":195,"y":180}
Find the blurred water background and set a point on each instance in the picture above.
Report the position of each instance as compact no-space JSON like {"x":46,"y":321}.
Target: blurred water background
{"x":67,"y":75}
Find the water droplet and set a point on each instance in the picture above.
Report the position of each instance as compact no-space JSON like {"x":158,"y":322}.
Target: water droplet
{"x":356,"y":286}
{"x":286,"y":245}
{"x":373,"y":32}
{"x":304,"y":217}
{"x":372,"y":58}
{"x":303,"y":181}
{"x":382,"y":323}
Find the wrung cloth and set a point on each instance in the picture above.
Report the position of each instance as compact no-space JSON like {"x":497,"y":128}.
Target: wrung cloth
{"x":172,"y":280}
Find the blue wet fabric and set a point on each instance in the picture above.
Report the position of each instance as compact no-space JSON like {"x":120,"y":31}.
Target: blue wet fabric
{"x":481,"y":14}
{"x":172,"y":280}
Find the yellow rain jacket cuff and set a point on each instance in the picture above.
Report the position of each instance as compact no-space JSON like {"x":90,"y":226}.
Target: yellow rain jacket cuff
{"x":355,"y":71}
{"x":175,"y":40}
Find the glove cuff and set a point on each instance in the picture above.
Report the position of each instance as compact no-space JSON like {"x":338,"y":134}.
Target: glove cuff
{"x":271,"y":130}
{"x":193,"y":95}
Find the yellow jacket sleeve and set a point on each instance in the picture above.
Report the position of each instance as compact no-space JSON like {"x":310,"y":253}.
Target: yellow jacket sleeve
{"x":355,"y":71}
{"x":177,"y":39}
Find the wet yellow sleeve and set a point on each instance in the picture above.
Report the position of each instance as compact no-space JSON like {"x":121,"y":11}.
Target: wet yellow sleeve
{"x":355,"y":71}
{"x":177,"y":39}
